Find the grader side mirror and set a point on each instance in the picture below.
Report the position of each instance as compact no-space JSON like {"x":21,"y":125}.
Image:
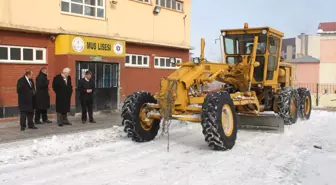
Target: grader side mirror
{"x":256,"y":64}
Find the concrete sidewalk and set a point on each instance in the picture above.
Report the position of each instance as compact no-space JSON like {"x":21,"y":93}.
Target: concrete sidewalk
{"x":10,"y":131}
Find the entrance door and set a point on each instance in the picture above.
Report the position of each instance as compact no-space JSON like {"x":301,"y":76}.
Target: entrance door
{"x":106,"y":78}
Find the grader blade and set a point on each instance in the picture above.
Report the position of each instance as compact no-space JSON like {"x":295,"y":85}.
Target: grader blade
{"x":269,"y":122}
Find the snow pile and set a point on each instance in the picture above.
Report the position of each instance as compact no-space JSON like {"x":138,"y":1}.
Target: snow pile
{"x":57,"y":144}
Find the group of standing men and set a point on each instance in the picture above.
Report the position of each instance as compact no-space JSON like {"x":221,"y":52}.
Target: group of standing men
{"x":37,"y":99}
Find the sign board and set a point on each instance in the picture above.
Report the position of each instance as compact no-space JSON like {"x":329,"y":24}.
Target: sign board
{"x":80,"y":45}
{"x":96,"y":58}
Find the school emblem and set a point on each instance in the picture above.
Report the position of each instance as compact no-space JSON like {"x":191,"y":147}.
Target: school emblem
{"x":78,"y":44}
{"x":118,"y":48}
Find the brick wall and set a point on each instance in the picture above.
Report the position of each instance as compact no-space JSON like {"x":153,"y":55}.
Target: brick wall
{"x":131,"y":79}
{"x":134,"y":79}
{"x":11,"y":72}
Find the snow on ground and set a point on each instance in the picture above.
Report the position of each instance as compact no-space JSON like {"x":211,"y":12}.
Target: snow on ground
{"x":108,"y":157}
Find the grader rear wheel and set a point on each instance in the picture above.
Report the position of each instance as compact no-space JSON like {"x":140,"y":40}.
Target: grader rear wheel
{"x":305,"y":103}
{"x":136,"y":124}
{"x":288,"y":105}
{"x":219,"y":121}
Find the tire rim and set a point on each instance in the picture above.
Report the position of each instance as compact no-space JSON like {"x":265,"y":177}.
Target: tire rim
{"x":227,"y":120}
{"x":307,"y":105}
{"x":145,"y":122}
{"x":292,"y":107}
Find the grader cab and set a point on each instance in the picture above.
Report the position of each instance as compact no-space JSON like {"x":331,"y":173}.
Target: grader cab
{"x":252,"y":87}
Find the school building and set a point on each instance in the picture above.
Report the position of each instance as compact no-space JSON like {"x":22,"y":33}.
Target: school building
{"x":125,"y":43}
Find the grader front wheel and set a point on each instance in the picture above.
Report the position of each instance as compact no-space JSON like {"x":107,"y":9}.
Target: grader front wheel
{"x":136,"y":124}
{"x":219,"y":121}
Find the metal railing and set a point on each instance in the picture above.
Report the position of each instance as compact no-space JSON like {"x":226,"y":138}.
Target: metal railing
{"x":318,"y":89}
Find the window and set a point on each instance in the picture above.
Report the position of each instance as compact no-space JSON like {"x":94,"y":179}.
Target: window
{"x":115,"y":75}
{"x":171,"y":4}
{"x":164,"y":62}
{"x":89,"y":8}
{"x":107,"y":75}
{"x":133,"y":60}
{"x":274,"y":47}
{"x":144,"y":1}
{"x":19,"y":54}
{"x":234,"y":59}
{"x":243,"y":44}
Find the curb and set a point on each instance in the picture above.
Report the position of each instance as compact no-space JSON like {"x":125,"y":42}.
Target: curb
{"x":17,"y":118}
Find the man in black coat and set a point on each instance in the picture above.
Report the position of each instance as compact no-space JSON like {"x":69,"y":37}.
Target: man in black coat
{"x":25,"y":89}
{"x":42,"y":97}
{"x":63,"y":88}
{"x":86,"y":87}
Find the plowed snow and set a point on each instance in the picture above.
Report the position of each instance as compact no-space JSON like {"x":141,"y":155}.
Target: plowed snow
{"x":108,"y":157}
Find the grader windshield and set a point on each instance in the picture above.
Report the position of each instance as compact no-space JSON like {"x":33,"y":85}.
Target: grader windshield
{"x":238,"y":45}
{"x":241,"y":44}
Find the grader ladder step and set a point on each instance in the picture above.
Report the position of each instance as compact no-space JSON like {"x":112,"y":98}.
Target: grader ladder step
{"x":264,"y":121}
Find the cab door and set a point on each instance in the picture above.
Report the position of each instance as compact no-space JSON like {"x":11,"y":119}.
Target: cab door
{"x":273,"y":60}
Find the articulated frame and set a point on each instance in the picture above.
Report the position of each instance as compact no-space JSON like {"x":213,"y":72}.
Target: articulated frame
{"x":187,"y":105}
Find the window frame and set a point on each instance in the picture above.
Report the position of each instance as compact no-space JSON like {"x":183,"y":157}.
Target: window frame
{"x":21,"y":61}
{"x":181,"y":3}
{"x":166,"y":58}
{"x":83,"y":12}
{"x":130,"y":55}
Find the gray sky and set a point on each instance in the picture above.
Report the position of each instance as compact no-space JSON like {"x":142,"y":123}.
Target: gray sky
{"x":289,"y":16}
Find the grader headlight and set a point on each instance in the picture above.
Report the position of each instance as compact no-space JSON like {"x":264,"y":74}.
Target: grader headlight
{"x":196,"y":60}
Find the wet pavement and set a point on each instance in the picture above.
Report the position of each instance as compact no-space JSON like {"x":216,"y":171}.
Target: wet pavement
{"x":10,"y":131}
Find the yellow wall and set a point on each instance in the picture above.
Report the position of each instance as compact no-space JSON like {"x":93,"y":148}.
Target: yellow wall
{"x":327,"y":72}
{"x":128,"y":20}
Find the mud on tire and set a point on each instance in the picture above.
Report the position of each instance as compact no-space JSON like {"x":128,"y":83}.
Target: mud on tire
{"x":286,"y":96}
{"x":131,"y":120}
{"x":211,"y":120}
{"x":305,"y":103}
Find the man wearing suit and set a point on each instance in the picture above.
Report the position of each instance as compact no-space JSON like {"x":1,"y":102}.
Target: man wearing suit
{"x":63,"y":89}
{"x":42,"y":97}
{"x":86,"y":87}
{"x":25,"y":88}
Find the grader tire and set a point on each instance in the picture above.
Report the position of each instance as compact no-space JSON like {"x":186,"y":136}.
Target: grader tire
{"x":305,"y":103}
{"x":132,"y":122}
{"x":288,"y":97}
{"x":217,"y":110}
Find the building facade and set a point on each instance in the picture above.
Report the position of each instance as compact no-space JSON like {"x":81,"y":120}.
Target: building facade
{"x":288,"y":49}
{"x":307,"y":45}
{"x":125,"y":43}
{"x":301,"y":46}
{"x":327,"y":33}
{"x":307,"y":70}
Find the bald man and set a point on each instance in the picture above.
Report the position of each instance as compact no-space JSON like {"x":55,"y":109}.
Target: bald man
{"x":63,"y":89}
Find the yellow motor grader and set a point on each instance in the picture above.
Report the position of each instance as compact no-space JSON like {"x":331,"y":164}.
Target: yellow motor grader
{"x":252,"y":86}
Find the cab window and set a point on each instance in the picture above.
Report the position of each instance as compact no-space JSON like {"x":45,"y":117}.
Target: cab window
{"x":274,"y":45}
